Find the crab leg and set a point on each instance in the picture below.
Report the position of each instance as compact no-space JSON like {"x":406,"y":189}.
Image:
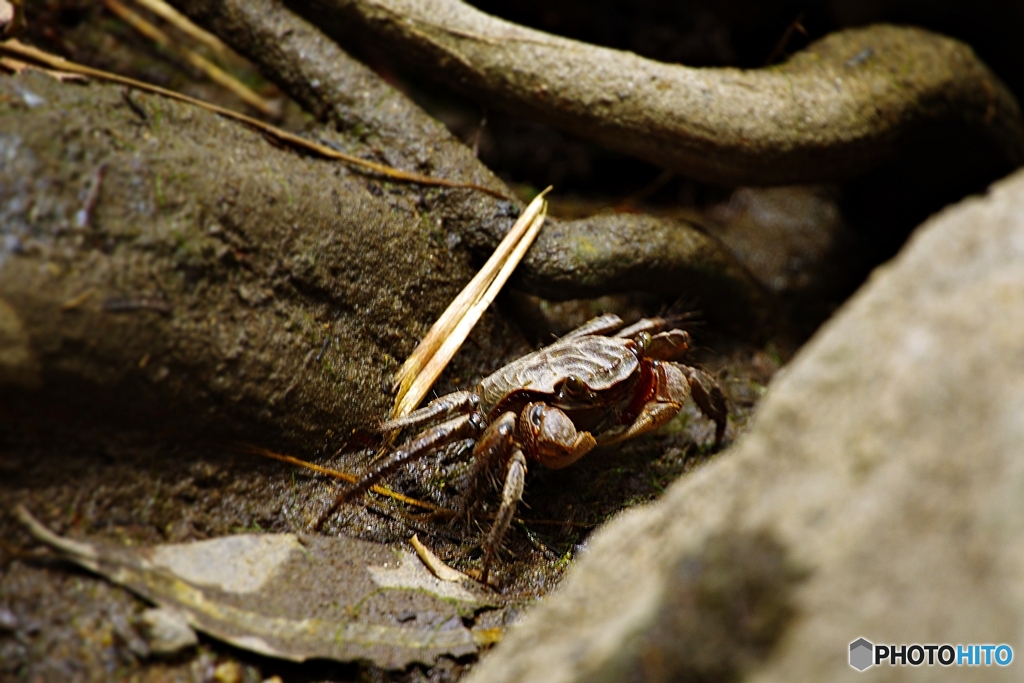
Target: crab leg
{"x":510,"y":497}
{"x":443,"y":407}
{"x":428,"y":441}
{"x":602,"y":324}
{"x":710,"y":401}
{"x":648,"y":325}
{"x":668,"y":345}
{"x":658,"y":344}
{"x":491,"y":450}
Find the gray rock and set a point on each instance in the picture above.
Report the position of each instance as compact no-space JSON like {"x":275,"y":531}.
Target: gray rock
{"x":792,"y":239}
{"x":877,"y":495}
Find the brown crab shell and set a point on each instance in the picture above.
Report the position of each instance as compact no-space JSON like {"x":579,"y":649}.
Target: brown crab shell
{"x":608,"y":368}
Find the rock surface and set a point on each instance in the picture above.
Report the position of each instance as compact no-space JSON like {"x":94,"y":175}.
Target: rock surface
{"x":214,"y":280}
{"x":877,"y":495}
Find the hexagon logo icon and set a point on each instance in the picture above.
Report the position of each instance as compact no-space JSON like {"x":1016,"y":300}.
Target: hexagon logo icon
{"x":861,"y":654}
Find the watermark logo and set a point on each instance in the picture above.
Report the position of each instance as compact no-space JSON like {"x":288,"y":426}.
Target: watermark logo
{"x":865,"y":654}
{"x":861,"y":654}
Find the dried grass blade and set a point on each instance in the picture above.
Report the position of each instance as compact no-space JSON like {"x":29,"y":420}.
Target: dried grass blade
{"x":212,"y":71}
{"x":185,"y":25}
{"x":460,"y":304}
{"x":337,"y":474}
{"x":435,"y":564}
{"x":456,"y":330}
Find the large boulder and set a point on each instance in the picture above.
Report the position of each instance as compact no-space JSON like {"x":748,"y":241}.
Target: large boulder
{"x":877,"y":495}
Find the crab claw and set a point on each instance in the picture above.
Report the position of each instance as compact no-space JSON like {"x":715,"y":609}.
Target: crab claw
{"x":709,"y":398}
{"x":549,"y":437}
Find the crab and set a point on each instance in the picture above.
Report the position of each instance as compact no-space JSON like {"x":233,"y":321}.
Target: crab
{"x":600,"y":384}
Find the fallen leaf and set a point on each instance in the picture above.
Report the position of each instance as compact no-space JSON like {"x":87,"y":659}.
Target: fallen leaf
{"x":292,"y":596}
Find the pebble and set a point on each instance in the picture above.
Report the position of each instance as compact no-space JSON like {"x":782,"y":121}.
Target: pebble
{"x":166,"y":631}
{"x":8,"y":620}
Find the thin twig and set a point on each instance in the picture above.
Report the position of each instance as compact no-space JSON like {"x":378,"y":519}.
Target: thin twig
{"x":383,"y":490}
{"x":337,"y":474}
{"x":39,"y":57}
{"x":84,"y":215}
{"x":212,"y":71}
{"x":434,"y":563}
{"x":648,"y":190}
{"x":74,"y":302}
{"x":128,"y":304}
{"x":185,"y":25}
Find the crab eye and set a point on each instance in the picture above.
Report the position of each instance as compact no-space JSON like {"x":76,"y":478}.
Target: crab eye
{"x":643,"y":341}
{"x":574,"y":385}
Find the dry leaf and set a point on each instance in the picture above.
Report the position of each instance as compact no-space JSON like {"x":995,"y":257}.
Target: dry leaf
{"x":292,"y":596}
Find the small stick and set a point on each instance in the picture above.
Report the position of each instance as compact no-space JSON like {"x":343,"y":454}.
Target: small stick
{"x":344,"y":476}
{"x":534,"y":541}
{"x":212,"y":71}
{"x":649,"y":189}
{"x":795,"y":25}
{"x":435,"y":564}
{"x":143,"y":303}
{"x":323,"y":349}
{"x":185,"y":25}
{"x":385,"y":491}
{"x":126,"y":95}
{"x":83,"y":553}
{"x":75,"y":302}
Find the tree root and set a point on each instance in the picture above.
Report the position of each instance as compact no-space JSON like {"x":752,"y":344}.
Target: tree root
{"x":570,"y":259}
{"x":840,"y":107}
